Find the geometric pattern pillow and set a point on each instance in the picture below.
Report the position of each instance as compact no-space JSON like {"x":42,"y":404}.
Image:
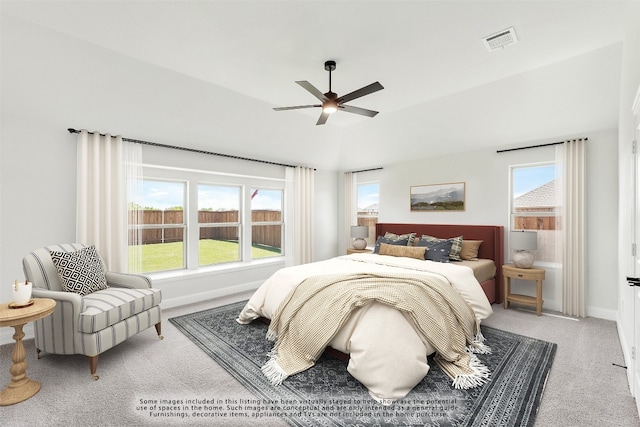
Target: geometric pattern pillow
{"x":80,"y":271}
{"x":456,"y":245}
{"x":437,"y":250}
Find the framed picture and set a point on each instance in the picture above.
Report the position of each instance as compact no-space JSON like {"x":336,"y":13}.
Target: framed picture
{"x":438,"y":197}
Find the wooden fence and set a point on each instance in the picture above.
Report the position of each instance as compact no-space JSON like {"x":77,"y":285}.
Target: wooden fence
{"x":269,"y":235}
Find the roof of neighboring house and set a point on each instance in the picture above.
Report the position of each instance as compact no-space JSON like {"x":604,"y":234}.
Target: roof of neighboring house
{"x":369,"y":208}
{"x":545,"y":195}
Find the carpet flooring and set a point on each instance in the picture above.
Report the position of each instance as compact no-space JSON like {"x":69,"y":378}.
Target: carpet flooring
{"x":327,"y":394}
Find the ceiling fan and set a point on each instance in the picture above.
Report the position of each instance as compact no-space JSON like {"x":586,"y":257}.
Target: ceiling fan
{"x":331,"y":102}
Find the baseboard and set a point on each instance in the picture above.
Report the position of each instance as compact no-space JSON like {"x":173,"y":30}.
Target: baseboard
{"x":6,"y":334}
{"x":212,"y":294}
{"x":628,"y":361}
{"x":602,"y":313}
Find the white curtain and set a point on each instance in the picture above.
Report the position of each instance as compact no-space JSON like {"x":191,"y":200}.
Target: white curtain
{"x":350,"y":200}
{"x":101,"y":200}
{"x":303,"y":237}
{"x":133,"y":177}
{"x":572,"y":165}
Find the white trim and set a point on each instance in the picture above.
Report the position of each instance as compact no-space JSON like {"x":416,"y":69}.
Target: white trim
{"x":636,"y":103}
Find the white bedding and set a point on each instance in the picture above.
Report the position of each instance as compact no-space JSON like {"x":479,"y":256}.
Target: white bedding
{"x":386,"y":354}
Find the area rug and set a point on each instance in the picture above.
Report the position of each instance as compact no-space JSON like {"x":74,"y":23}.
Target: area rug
{"x":327,"y":395}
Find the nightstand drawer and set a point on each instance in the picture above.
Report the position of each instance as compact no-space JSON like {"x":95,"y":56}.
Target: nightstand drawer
{"x":522,"y":273}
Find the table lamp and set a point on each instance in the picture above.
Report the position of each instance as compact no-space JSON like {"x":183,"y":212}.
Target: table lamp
{"x":359,"y":233}
{"x":523,"y":242}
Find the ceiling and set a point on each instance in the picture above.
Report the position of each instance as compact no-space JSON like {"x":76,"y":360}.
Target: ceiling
{"x":444,"y":92}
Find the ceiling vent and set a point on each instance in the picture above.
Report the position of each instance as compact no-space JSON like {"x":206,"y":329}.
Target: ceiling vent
{"x":500,"y":39}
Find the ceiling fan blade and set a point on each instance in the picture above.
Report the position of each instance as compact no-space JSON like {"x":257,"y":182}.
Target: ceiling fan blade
{"x":373,"y":87}
{"x":358,"y":110}
{"x":296,"y":107}
{"x":323,"y":118}
{"x":313,"y":90}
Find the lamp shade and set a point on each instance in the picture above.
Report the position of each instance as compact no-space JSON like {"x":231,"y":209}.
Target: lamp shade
{"x":524,"y":240}
{"x":359,"y":231}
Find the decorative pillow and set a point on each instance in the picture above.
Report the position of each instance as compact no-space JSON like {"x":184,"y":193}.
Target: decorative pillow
{"x":456,"y":245}
{"x":399,"y":242}
{"x":436,"y":250}
{"x":470,"y":249}
{"x":404,"y":251}
{"x":410,"y":236}
{"x":80,"y":271}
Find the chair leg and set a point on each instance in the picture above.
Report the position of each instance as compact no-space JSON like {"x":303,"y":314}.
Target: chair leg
{"x":93,"y":365}
{"x":38,"y":353}
{"x":159,"y":330}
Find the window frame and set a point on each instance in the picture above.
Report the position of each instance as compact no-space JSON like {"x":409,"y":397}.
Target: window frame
{"x":135,"y":228}
{"x":194,"y":177}
{"x":512,"y":214}
{"x":237,"y":224}
{"x":364,"y":219}
{"x":281,"y":223}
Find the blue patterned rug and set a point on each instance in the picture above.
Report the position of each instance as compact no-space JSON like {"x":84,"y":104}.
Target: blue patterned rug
{"x":327,"y":395}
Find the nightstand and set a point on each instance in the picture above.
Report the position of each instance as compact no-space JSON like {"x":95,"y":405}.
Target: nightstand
{"x":534,"y":274}
{"x":358,"y":251}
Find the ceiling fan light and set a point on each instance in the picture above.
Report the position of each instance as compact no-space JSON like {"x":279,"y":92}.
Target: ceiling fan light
{"x":330,"y":107}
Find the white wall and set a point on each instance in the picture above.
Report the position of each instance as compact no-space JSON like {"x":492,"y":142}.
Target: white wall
{"x":629,"y":86}
{"x":51,"y":82}
{"x":486,"y":175}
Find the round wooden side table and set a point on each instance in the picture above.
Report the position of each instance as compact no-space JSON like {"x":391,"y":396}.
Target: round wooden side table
{"x":21,"y":387}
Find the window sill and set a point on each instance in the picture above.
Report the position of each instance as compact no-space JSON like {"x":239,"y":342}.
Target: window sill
{"x":168,"y":276}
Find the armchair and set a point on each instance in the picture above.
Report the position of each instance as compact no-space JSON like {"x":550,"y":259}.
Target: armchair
{"x":92,"y":323}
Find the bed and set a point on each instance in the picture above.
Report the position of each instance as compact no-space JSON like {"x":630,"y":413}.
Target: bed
{"x":491,"y":249}
{"x":388,"y":313}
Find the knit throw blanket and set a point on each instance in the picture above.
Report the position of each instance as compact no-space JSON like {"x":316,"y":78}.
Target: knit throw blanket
{"x":313,"y":313}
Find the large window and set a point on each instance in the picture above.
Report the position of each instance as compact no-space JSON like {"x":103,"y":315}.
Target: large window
{"x":535,"y":206}
{"x":157,"y":227}
{"x":267,"y":222}
{"x":368,"y":195}
{"x":219,"y":222}
{"x":190,"y":219}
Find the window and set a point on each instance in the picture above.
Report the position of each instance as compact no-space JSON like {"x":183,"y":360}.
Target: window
{"x":157,"y":227}
{"x":367,"y":203}
{"x":535,"y":206}
{"x":219,"y":222}
{"x":267,"y":225}
{"x":191,"y":219}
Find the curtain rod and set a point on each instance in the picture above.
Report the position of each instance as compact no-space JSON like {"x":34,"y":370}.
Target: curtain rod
{"x":193,"y":150}
{"x":367,"y":170}
{"x":540,"y":145}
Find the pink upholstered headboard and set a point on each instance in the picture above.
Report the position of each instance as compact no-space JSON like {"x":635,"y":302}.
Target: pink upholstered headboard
{"x":492,"y":237}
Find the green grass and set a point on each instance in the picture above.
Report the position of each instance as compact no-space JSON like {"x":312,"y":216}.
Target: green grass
{"x":169,"y":256}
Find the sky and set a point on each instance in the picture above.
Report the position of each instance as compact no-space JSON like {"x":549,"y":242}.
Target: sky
{"x":526,"y":179}
{"x":166,"y":194}
{"x":368,"y":194}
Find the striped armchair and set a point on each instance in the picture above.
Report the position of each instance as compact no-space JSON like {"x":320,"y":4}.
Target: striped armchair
{"x":93,"y":323}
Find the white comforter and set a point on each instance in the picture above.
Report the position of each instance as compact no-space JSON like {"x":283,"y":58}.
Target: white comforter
{"x":386,"y":354}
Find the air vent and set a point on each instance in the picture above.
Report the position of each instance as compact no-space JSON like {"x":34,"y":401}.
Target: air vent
{"x":501,"y":39}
